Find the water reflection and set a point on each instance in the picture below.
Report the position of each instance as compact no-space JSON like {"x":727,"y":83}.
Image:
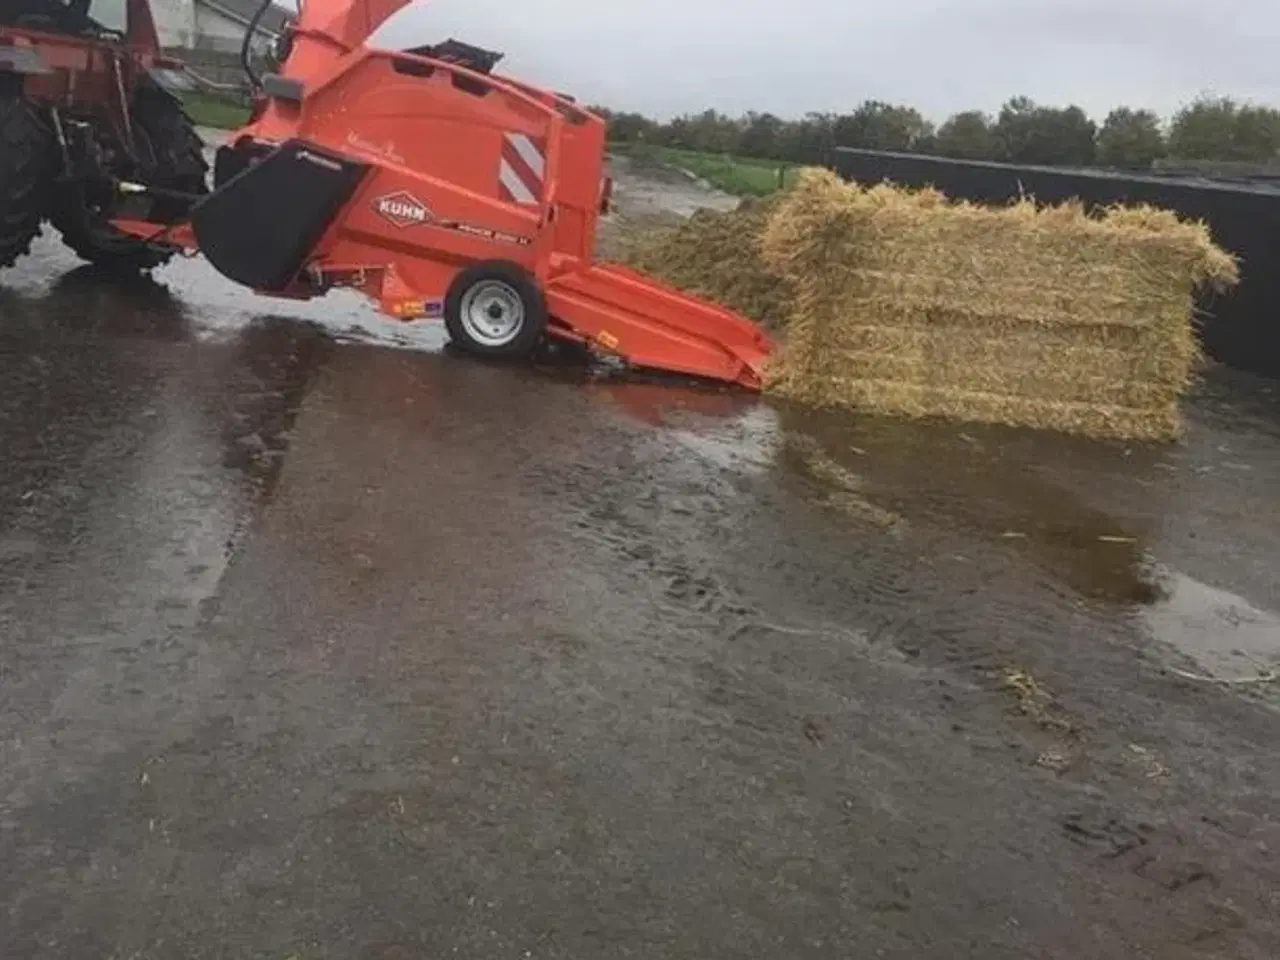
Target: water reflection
{"x":658,"y":404}
{"x":996,"y":484}
{"x":106,"y":381}
{"x":91,"y":301}
{"x":78,"y":374}
{"x":273,"y":363}
{"x":1228,"y":637}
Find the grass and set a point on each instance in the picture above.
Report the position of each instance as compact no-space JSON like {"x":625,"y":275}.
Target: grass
{"x":739,"y":176}
{"x":211,"y":110}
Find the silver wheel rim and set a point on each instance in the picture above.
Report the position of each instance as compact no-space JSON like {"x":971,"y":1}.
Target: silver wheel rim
{"x":492,"y":313}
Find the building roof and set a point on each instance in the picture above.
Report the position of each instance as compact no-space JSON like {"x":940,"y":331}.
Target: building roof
{"x":273,"y":20}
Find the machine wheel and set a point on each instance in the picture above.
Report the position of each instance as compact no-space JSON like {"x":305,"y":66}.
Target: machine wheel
{"x":173,"y":157}
{"x":495,"y":310}
{"x":25,"y":148}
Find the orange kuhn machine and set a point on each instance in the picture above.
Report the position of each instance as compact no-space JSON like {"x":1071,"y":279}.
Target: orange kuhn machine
{"x":440,"y":190}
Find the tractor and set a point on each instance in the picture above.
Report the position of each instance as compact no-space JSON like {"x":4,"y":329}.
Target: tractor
{"x":84,"y":107}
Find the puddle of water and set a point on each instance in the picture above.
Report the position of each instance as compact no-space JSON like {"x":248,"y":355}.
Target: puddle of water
{"x":728,"y":428}
{"x":219,"y":310}
{"x":748,"y":442}
{"x":1227,"y":636}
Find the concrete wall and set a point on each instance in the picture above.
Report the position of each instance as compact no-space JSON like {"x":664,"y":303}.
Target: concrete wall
{"x":206,"y":40}
{"x":217,"y":32}
{"x":182,"y":25}
{"x":219,"y":66}
{"x":175,"y":21}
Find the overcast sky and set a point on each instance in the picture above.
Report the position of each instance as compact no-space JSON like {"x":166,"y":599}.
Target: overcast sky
{"x":664,"y":57}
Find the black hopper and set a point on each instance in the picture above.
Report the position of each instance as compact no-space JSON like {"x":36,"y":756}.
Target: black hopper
{"x":463,"y":54}
{"x":266,"y":217}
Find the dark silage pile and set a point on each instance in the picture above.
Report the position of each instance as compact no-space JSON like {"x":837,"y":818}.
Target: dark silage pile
{"x":716,"y":256}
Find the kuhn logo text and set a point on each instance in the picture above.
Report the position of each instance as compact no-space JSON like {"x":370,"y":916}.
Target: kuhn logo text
{"x":403,"y":209}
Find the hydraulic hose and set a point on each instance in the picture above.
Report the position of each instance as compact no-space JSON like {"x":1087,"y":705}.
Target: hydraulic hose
{"x":254,"y":81}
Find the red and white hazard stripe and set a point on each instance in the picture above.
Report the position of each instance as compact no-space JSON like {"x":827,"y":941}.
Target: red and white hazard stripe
{"x":521,"y":170}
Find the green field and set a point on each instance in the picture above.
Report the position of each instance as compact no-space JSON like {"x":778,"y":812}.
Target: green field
{"x":737,"y":175}
{"x":211,"y":110}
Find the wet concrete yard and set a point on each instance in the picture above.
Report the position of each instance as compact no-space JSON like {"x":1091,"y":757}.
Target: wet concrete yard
{"x":318,"y":642}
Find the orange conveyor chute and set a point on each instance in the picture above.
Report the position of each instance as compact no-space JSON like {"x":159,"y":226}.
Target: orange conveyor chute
{"x":654,"y":326}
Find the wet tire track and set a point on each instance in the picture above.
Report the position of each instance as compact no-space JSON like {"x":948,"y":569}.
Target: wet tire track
{"x":976,"y":617}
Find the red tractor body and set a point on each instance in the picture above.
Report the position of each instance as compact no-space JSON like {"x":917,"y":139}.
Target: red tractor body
{"x":81,"y":107}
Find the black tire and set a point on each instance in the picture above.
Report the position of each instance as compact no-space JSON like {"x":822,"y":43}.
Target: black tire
{"x":175,"y":161}
{"x":26,"y":146}
{"x":507,"y":284}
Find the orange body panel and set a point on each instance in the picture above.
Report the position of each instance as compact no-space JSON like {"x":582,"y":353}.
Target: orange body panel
{"x":657,"y":327}
{"x":445,"y":145}
{"x":465,"y":167}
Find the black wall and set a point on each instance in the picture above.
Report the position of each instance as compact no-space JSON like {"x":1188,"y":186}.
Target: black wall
{"x":1241,"y":329}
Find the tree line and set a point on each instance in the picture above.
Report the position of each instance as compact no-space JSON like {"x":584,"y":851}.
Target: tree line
{"x":1207,"y":129}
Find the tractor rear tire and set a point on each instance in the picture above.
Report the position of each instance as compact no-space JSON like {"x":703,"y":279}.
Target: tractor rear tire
{"x":179,"y":165}
{"x":26,"y":146}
